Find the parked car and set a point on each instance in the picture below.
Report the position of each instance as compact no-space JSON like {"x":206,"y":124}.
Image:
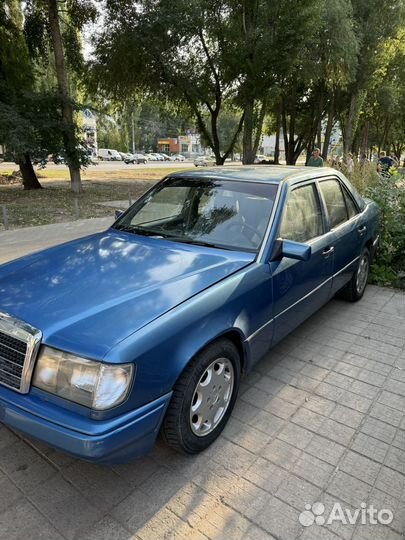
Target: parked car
{"x":204,"y":161}
{"x":149,"y":326}
{"x":136,"y":158}
{"x":158,"y":156}
{"x":178,"y":157}
{"x":126,"y":157}
{"x":261,"y":158}
{"x":140,"y":158}
{"x":108,"y":154}
{"x":151,"y":157}
{"x":165,"y":156}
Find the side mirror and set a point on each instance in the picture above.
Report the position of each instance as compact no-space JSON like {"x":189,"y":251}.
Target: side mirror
{"x":118,"y":214}
{"x":291,"y":250}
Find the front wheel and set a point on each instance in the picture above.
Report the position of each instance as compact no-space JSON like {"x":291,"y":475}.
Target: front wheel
{"x":354,"y":290}
{"x":203,"y":398}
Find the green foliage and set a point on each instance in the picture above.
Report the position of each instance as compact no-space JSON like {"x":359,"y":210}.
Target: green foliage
{"x":228,"y":122}
{"x":182,"y":51}
{"x":145,"y":118}
{"x":364,"y":176}
{"x":32,"y":124}
{"x":389,"y":266}
{"x":31,"y":120}
{"x":27,"y":119}
{"x":74,"y":15}
{"x":15,"y":67}
{"x":111,"y":136}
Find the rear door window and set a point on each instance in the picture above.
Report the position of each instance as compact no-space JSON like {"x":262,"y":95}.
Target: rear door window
{"x":335,"y":202}
{"x":351,"y":207}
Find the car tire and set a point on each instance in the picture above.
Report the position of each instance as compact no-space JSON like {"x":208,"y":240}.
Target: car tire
{"x":354,"y":290}
{"x":209,"y":383}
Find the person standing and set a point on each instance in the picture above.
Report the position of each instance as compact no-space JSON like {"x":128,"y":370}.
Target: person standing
{"x":315,"y":160}
{"x":384,"y":163}
{"x":350,"y":164}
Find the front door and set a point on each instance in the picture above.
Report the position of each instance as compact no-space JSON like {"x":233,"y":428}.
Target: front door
{"x":302,"y":287}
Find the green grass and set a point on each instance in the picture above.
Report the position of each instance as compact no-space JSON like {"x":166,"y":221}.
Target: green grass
{"x":95,"y":173}
{"x":56,"y":203}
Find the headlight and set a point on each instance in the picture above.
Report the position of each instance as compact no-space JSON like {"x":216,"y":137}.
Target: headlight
{"x":92,"y":384}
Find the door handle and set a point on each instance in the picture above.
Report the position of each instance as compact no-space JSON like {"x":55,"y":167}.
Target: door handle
{"x":328,"y":251}
{"x":362,"y":230}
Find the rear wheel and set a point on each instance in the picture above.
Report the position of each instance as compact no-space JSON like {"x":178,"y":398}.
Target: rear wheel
{"x":354,"y":290}
{"x":203,"y":398}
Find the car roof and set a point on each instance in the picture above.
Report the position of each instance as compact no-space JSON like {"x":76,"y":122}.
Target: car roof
{"x":273,"y":174}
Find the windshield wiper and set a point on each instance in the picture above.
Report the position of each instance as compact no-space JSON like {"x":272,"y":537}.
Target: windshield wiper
{"x":187,"y":240}
{"x":183,"y":239}
{"x":139,"y":230}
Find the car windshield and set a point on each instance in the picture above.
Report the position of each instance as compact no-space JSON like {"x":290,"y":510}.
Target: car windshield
{"x":217,"y":213}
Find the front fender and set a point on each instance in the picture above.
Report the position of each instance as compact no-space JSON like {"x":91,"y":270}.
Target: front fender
{"x":241,"y":304}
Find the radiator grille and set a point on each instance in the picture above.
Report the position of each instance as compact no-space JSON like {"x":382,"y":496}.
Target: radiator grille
{"x":12,"y":358}
{"x":19,"y":344}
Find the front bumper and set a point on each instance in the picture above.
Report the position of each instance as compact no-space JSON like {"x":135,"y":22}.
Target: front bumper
{"x":115,"y":440}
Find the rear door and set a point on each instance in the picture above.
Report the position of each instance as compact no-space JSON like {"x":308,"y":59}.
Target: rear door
{"x":343,"y":219}
{"x":302,"y":287}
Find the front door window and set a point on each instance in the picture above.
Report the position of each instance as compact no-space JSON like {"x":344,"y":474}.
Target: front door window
{"x":302,"y":219}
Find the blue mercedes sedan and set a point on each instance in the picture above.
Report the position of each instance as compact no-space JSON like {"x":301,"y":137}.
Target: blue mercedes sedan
{"x":149,"y":326}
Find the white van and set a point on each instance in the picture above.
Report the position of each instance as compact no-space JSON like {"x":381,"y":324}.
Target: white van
{"x":107,"y":154}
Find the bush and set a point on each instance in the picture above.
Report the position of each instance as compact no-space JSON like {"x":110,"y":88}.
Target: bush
{"x":389,"y":265}
{"x":363,"y":176}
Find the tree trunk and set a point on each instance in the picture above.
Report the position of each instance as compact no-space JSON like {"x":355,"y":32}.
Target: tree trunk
{"x":67,"y":108}
{"x":247,"y":139}
{"x":288,"y":142}
{"x":385,"y":135}
{"x":310,"y":148}
{"x":349,"y":125}
{"x":291,"y":138}
{"x":328,"y":129}
{"x":277,"y":145}
{"x":29,"y":177}
{"x":364,"y":139}
{"x":319,"y":134}
{"x":231,"y":146}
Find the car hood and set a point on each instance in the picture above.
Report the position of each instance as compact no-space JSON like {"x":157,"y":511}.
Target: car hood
{"x":87,"y":295}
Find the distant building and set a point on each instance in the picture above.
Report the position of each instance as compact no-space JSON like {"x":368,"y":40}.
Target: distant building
{"x":184,"y":144}
{"x":268,"y":145}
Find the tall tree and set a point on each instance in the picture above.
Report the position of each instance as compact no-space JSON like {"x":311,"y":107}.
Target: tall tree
{"x":268,"y":39}
{"x":67,"y":106}
{"x":58,"y":24}
{"x":382,"y":117}
{"x":29,"y":120}
{"x":179,"y":50}
{"x":375,"y":22}
{"x":325,"y":67}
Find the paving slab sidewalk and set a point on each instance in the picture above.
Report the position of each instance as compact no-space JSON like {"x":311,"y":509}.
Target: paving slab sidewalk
{"x":321,"y":419}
